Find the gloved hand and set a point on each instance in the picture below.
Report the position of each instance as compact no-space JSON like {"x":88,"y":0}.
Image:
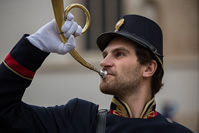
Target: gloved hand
{"x":47,"y":37}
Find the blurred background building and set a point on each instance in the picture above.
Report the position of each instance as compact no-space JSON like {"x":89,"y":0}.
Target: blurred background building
{"x":61,"y":78}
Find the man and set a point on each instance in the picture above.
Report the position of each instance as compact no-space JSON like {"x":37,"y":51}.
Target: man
{"x":134,"y":62}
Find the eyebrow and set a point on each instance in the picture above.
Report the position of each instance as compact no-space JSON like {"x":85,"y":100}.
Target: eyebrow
{"x":116,"y":50}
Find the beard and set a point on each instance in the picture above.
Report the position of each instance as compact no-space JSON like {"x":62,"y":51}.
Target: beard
{"x":123,"y":84}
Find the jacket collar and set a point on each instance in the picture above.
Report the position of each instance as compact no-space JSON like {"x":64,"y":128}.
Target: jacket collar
{"x":120,"y":108}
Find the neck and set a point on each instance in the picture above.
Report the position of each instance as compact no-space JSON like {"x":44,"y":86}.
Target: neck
{"x":136,"y":105}
{"x":137,"y":102}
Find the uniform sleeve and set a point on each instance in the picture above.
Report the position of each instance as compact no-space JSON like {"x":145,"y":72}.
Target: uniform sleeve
{"x":16,"y":74}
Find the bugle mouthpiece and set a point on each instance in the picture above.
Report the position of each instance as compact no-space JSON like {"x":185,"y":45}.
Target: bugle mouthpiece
{"x":102,"y":73}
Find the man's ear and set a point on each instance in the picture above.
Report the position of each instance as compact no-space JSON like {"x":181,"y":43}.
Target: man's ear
{"x":150,"y":69}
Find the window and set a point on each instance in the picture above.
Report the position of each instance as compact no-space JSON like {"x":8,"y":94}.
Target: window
{"x":104,"y":15}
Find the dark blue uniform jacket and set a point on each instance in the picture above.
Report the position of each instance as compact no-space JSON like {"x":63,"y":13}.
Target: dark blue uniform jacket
{"x":76,"y":116}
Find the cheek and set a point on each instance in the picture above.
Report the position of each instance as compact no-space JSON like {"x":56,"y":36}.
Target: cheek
{"x":126,"y":66}
{"x":127,"y":70}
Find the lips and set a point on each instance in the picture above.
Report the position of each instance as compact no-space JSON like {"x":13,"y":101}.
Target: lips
{"x":110,"y":72}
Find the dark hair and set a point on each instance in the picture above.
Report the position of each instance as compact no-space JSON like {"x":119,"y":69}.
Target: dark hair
{"x":145,"y":56}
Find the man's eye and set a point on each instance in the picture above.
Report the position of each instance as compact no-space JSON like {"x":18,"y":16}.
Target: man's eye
{"x":104,"y":55}
{"x":120,"y":54}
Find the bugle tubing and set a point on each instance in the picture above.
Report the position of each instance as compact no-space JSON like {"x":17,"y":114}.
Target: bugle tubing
{"x":60,"y":16}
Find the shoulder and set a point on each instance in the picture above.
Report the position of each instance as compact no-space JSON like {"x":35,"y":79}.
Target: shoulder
{"x":83,"y":106}
{"x":80,"y":103}
{"x":169,"y":125}
{"x":83,"y":113}
{"x":74,"y":106}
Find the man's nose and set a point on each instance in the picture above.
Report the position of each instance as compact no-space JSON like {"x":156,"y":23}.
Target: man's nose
{"x":106,"y":62}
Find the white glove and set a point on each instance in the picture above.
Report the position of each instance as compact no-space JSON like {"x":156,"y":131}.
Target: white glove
{"x":47,"y":37}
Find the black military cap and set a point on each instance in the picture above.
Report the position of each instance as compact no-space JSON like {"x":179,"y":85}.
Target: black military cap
{"x":139,"y":29}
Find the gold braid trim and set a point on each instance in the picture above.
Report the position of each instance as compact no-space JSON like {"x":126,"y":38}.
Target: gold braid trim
{"x":160,"y":62}
{"x":16,"y":72}
{"x":146,"y":112}
{"x":121,"y":109}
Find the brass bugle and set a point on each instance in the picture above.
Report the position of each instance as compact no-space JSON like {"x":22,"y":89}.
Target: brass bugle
{"x":60,"y":16}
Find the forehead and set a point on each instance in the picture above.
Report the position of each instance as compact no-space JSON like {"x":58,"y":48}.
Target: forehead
{"x":120,"y":42}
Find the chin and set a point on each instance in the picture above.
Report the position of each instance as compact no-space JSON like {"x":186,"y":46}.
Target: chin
{"x":106,"y":88}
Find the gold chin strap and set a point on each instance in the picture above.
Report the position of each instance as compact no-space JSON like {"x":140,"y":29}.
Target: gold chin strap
{"x":60,"y":16}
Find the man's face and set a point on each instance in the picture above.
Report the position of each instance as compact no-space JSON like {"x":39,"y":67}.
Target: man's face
{"x":124,"y":70}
